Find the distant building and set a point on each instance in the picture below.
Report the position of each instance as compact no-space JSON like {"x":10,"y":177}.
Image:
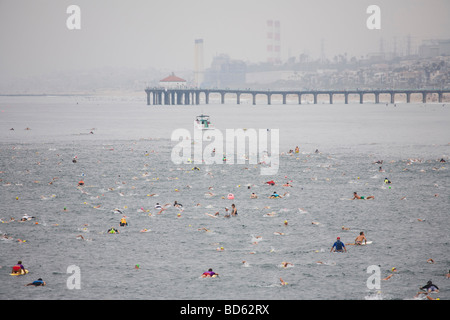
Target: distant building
{"x":199,"y":71}
{"x":172,"y":82}
{"x":434,"y":48}
{"x":225,"y":72}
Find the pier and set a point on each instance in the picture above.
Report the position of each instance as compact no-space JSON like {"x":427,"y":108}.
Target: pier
{"x":187,"y":96}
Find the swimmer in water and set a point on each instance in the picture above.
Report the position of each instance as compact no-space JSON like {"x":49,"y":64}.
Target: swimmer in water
{"x":275,"y":195}
{"x":390,"y":276}
{"x":356,"y":196}
{"x":253,"y":196}
{"x":428,"y":288}
{"x":233,"y":210}
{"x":178,"y":205}
{"x":338,"y":246}
{"x":113,"y":230}
{"x":285,"y":264}
{"x":38,"y":283}
{"x":123,"y":222}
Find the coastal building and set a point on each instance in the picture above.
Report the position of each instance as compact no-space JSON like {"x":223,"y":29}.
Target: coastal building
{"x":172,"y":82}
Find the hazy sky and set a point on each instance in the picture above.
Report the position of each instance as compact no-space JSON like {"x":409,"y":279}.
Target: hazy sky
{"x":34,"y":38}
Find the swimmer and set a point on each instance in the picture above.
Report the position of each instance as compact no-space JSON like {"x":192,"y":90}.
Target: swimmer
{"x":26,"y":217}
{"x":233,"y":210}
{"x":430,"y":260}
{"x":448,"y":275}
{"x":178,"y":205}
{"x":253,"y":196}
{"x":386,"y":180}
{"x":390,"y":276}
{"x":227,"y":213}
{"x":123,"y":222}
{"x":112,"y":230}
{"x":428,"y":288}
{"x":282,"y":282}
{"x":164,"y":208}
{"x":38,"y":283}
{"x":345,"y":228}
{"x":285,"y":264}
{"x":356,"y":196}
{"x":275,"y":195}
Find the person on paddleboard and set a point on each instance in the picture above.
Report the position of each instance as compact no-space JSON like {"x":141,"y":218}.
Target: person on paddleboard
{"x":209,"y":273}
{"x":359,"y":239}
{"x":18,"y":268}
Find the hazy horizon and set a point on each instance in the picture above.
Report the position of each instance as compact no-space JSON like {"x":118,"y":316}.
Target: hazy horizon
{"x":142,"y":34}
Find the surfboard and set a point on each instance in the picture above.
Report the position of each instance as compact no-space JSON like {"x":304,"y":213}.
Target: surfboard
{"x":362,"y":244}
{"x":19,"y":274}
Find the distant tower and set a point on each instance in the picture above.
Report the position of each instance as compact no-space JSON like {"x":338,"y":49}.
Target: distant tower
{"x":322,"y":51}
{"x":273,"y":42}
{"x":395,"y":47}
{"x":198,"y":63}
{"x":408,"y":45}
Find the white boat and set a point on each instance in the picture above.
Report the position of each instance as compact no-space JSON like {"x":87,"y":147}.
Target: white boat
{"x":202,"y":122}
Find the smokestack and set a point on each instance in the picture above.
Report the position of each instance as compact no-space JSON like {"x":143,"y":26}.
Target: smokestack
{"x":198,"y":63}
{"x":273,"y":42}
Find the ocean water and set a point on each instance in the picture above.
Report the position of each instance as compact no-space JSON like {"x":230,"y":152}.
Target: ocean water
{"x":126,"y":164}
